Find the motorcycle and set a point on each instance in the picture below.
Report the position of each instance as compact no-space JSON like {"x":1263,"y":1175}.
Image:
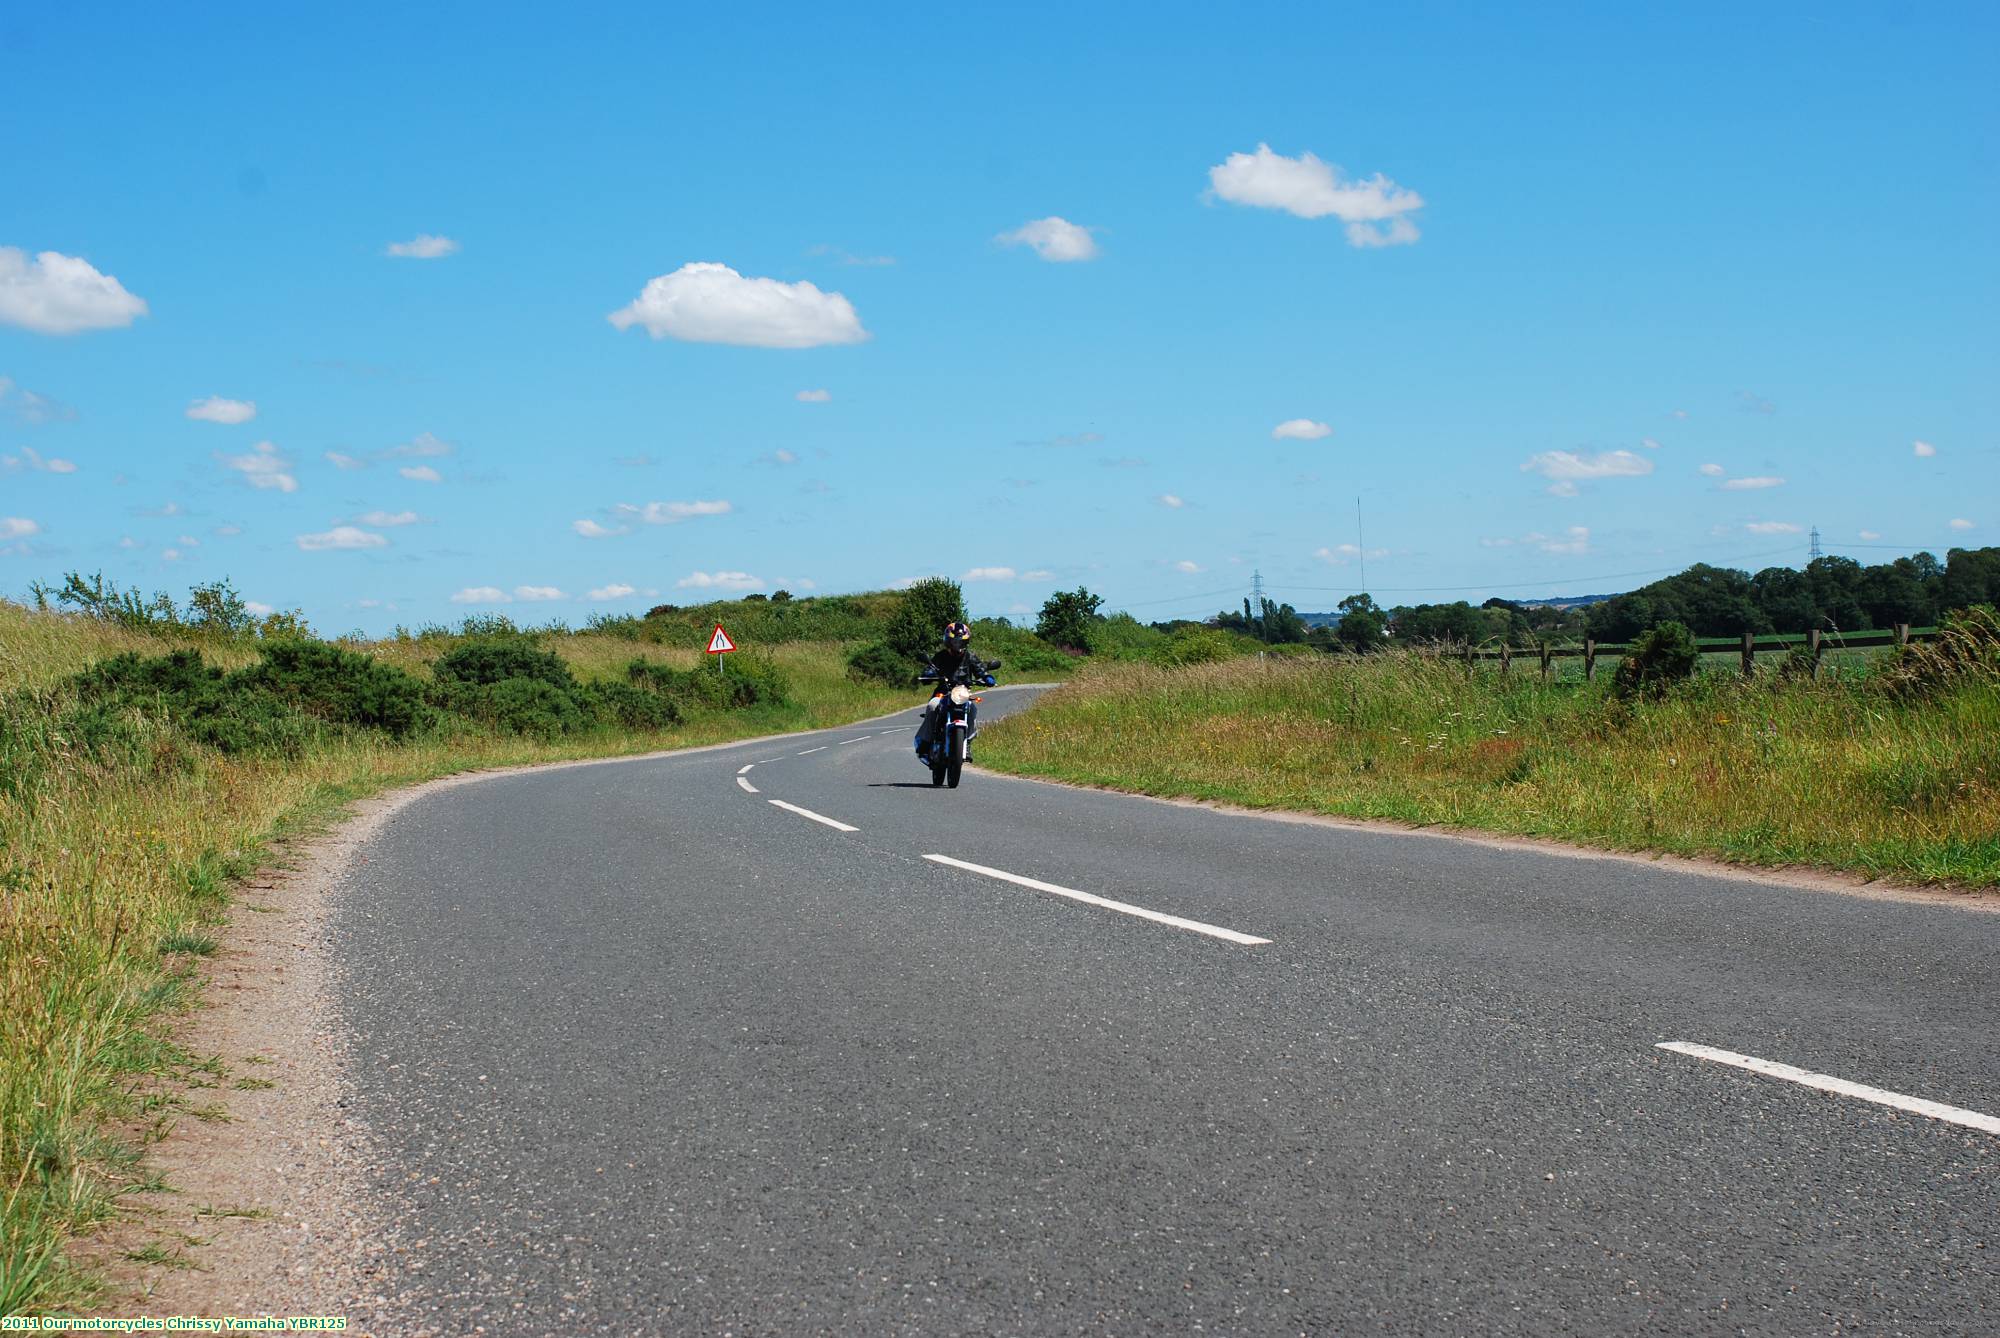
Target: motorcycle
{"x":951,"y":735}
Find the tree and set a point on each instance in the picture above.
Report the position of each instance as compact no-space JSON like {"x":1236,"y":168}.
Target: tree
{"x":917,"y":625}
{"x":1362,"y":624}
{"x":1438,"y":624}
{"x":1067,"y":618}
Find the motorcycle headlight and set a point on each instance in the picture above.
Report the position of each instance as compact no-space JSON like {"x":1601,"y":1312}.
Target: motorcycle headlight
{"x":960,"y":695}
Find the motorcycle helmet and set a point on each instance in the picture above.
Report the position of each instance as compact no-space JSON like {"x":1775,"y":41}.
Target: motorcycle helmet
{"x":957,"y":636}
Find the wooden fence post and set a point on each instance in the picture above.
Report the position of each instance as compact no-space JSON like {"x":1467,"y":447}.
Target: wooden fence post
{"x":1902,"y":634}
{"x":1468,"y":659}
{"x":1813,"y":640}
{"x":1506,"y":657}
{"x":1545,"y":662}
{"x":1589,"y":660}
{"x":1749,"y":654}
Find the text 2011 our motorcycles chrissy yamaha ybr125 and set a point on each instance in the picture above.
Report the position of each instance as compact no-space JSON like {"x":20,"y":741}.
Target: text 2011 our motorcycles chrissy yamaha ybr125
{"x":957,"y":712}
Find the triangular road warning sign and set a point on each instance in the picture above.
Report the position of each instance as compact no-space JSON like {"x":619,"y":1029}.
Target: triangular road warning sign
{"x":720,"y":642}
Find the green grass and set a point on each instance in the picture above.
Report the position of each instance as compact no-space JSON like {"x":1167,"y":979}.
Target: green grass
{"x":1841,"y":774}
{"x":118,"y":860}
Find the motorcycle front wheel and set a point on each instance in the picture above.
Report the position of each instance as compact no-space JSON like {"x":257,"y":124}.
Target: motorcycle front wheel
{"x":957,"y":762}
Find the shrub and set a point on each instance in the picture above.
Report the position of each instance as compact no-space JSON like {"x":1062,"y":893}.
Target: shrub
{"x":743,"y":680}
{"x":877,"y":661}
{"x":1967,"y":647}
{"x":1068,"y":619}
{"x":495,"y":659}
{"x":531,"y":706}
{"x":630,"y":707}
{"x":1659,"y":659}
{"x":181,"y":687}
{"x":917,"y":625}
{"x":1194,"y":645}
{"x":338,"y":686}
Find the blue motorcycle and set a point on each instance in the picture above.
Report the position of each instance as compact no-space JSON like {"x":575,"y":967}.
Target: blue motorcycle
{"x":951,"y":719}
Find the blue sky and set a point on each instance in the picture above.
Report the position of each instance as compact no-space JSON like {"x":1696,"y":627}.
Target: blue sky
{"x":1075,"y":299}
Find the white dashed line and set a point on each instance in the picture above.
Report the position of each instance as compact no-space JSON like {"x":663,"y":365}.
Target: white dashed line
{"x":1916,"y":1105}
{"x":859,"y":738}
{"x":810,"y":751}
{"x":745,"y":768}
{"x":748,"y":788}
{"x":1091,"y":899}
{"x":816,"y":817}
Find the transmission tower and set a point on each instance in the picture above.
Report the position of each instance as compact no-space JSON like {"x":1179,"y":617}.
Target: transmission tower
{"x":1816,"y":553}
{"x":1256,"y":594}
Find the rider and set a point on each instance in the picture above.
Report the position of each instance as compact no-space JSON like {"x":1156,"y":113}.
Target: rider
{"x":951,"y":662}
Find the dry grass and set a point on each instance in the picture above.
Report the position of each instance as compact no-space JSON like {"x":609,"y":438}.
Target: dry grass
{"x":1838,"y":775}
{"x":109,"y":865}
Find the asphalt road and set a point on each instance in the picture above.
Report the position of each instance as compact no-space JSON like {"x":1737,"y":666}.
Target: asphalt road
{"x":648,"y":1053}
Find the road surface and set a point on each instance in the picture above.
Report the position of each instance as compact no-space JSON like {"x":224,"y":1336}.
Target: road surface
{"x":721,"y":1043}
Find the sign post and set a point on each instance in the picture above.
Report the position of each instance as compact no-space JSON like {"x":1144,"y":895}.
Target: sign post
{"x":720,"y":645}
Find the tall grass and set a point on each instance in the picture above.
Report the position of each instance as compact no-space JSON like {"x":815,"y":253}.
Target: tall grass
{"x":116,"y":859}
{"x":1846,"y":774}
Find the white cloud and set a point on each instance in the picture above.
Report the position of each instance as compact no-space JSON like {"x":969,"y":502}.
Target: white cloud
{"x":1342,"y":554}
{"x":30,"y":407}
{"x":18,"y":527}
{"x":1680,"y":413}
{"x":170,"y":555}
{"x":813,"y":396}
{"x":672,"y":513}
{"x":188,"y":541}
{"x":1961,"y":523}
{"x":1751,"y":402}
{"x":1923,"y":450}
{"x":1187,"y":568}
{"x":1300,"y":429}
{"x":259,"y":609}
{"x":1751,"y":484}
{"x":615,"y":590}
{"x":536,"y":593}
{"x":1713,"y":471}
{"x":707,"y":303}
{"x":1562,"y":488}
{"x":781,"y":456}
{"x":164,"y":509}
{"x":481,"y":594}
{"x":387,"y":519}
{"x":421,"y":474}
{"x":227,"y":531}
{"x":1773,"y":527}
{"x":35,"y":461}
{"x":590,"y":529}
{"x":719,"y":580}
{"x":423,"y":246}
{"x":1574,"y":541}
{"x":1572,"y":466}
{"x":1055,"y":239}
{"x":846,"y":257}
{"x":1168,"y":499}
{"x":342,"y":538}
{"x":216,"y":409}
{"x":1649,"y":443}
{"x":340,"y":461}
{"x":424,"y":445}
{"x":58,"y":294}
{"x":1373,"y":208}
{"x":264,"y":467}
{"x":1870,"y":535}
{"x":989,"y":574}
{"x":1038,"y":574}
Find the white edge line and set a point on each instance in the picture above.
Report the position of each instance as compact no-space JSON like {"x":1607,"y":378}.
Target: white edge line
{"x":745,"y":768}
{"x":822,"y":748}
{"x":748,"y":788}
{"x":1092,"y":899}
{"x":816,"y":817}
{"x":1917,"y":1105}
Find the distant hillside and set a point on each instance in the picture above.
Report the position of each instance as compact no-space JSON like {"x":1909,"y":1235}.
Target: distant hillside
{"x":1552,"y":602}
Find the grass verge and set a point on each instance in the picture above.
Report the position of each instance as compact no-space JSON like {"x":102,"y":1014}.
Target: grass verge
{"x":1843,"y":775}
{"x":117,"y":861}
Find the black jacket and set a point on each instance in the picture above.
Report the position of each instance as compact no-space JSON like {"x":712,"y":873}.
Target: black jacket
{"x":955,"y":666}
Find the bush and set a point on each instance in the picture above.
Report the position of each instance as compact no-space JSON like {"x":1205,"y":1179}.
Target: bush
{"x":488,"y":659}
{"x":1194,"y":645}
{"x":1659,"y":659}
{"x":208,"y":707}
{"x":630,"y":707}
{"x":744,"y":680}
{"x":1068,"y":619}
{"x":531,"y":706}
{"x":877,"y":661}
{"x":339,"y":687}
{"x":917,"y":626}
{"x":1967,"y":647}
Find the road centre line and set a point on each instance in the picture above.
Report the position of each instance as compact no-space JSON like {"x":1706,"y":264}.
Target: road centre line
{"x":1917,"y":1105}
{"x":748,"y":788}
{"x":1091,"y":899}
{"x":816,"y":817}
{"x":859,"y":738}
{"x":808,"y":752}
